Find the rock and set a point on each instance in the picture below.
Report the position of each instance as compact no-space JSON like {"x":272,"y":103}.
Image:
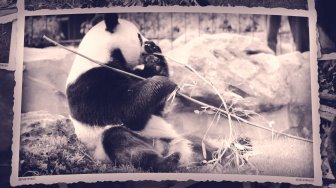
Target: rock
{"x":248,"y":75}
{"x":44,"y":80}
{"x":240,"y":62}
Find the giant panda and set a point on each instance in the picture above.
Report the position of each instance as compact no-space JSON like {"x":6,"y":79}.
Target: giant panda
{"x":117,"y":117}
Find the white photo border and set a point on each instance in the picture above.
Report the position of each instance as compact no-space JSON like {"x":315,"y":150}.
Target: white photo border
{"x":16,"y":180}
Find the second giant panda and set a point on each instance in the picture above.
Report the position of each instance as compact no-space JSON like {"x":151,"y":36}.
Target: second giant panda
{"x":116,"y":116}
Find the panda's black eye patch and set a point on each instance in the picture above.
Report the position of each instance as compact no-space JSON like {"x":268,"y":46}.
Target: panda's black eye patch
{"x":140,"y":39}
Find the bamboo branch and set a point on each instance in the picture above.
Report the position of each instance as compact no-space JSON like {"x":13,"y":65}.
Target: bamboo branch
{"x":224,"y":112}
{"x":92,"y":60}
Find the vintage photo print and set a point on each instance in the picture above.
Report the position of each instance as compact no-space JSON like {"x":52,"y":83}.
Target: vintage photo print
{"x":7,"y":7}
{"x":326,"y":31}
{"x":327,"y":80}
{"x":125,"y":94}
{"x":7,"y":41}
{"x":33,"y":5}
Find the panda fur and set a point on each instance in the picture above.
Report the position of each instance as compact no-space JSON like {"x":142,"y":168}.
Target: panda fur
{"x":119,"y":117}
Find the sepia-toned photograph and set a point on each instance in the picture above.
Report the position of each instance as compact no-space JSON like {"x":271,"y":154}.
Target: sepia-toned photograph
{"x":7,"y":7}
{"x":326,"y":31}
{"x":179,"y":93}
{"x":5,"y":41}
{"x":33,"y":5}
{"x":327,"y":90}
{"x":8,"y":30}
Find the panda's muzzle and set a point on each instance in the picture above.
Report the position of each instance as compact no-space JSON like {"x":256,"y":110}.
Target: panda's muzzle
{"x":151,"y":47}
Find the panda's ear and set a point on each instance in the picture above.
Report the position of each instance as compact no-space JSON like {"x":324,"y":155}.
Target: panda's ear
{"x":111,"y":21}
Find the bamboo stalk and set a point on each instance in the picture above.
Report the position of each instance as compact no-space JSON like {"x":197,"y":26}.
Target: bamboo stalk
{"x":92,"y":60}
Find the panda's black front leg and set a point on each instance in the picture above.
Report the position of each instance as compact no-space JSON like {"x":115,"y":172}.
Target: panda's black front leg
{"x":145,"y":98}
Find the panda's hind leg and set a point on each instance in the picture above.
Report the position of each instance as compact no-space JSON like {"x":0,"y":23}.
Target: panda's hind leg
{"x":123,"y":146}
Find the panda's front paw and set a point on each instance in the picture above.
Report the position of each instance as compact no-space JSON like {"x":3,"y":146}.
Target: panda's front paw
{"x":155,"y":65}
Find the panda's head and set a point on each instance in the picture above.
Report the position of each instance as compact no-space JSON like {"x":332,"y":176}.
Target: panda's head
{"x":115,"y":42}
